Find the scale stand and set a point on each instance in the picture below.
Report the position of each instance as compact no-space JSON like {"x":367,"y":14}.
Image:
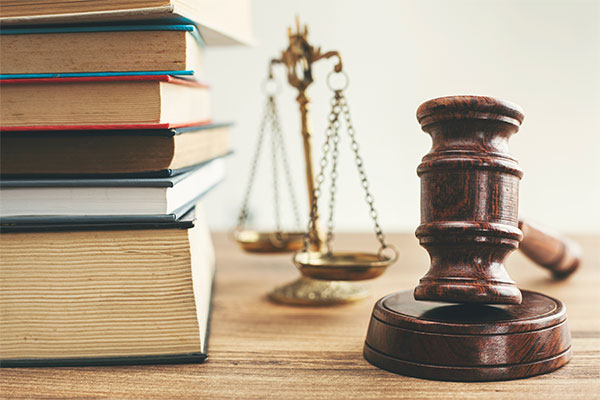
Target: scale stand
{"x":327,"y":276}
{"x":299,"y":57}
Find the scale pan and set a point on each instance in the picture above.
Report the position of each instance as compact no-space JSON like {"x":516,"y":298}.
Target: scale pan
{"x":269,"y":242}
{"x":348,"y":266}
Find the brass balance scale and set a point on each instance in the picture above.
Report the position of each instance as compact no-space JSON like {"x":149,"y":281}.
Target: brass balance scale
{"x":328,"y":277}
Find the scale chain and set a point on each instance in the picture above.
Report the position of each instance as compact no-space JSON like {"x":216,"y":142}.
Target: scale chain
{"x":320,"y":178}
{"x":334,"y":163}
{"x":274,"y":149}
{"x":286,"y":168}
{"x":361,"y":171}
{"x":278,"y":149}
{"x":243,"y":216}
{"x":339,"y":106}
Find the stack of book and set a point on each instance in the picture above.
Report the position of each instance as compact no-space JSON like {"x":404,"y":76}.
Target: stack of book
{"x":107,"y":149}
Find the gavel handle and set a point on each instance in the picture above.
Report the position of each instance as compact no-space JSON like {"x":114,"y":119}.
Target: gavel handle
{"x":557,"y":253}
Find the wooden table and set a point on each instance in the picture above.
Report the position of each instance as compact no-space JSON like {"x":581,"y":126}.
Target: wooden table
{"x":262,"y":350}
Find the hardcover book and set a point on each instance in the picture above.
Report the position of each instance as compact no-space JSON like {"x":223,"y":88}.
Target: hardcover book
{"x":94,"y":153}
{"x":107,"y":49}
{"x":102,"y":102}
{"x":106,"y":200}
{"x":221,"y":22}
{"x":101,"y":295}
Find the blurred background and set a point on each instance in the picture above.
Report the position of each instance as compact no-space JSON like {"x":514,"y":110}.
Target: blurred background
{"x":542,"y":55}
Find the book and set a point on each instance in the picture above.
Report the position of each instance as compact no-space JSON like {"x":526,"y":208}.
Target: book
{"x":136,"y":152}
{"x":116,"y":295}
{"x":87,"y":50}
{"x":124,"y":199}
{"x":102,"y":102}
{"x":221,"y":22}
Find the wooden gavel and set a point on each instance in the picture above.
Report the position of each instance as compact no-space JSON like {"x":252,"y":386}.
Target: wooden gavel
{"x":555,"y":252}
{"x":469,"y":224}
{"x":469,"y":205}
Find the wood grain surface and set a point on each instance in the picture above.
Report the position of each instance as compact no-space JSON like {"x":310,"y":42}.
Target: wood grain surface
{"x":262,"y":350}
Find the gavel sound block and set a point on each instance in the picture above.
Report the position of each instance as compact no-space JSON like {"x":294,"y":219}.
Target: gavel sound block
{"x":469,"y":224}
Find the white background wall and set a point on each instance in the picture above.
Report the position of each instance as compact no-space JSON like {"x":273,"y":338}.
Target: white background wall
{"x":543,"y":55}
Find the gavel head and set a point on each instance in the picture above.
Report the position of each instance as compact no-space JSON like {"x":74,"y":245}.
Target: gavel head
{"x":469,"y":200}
